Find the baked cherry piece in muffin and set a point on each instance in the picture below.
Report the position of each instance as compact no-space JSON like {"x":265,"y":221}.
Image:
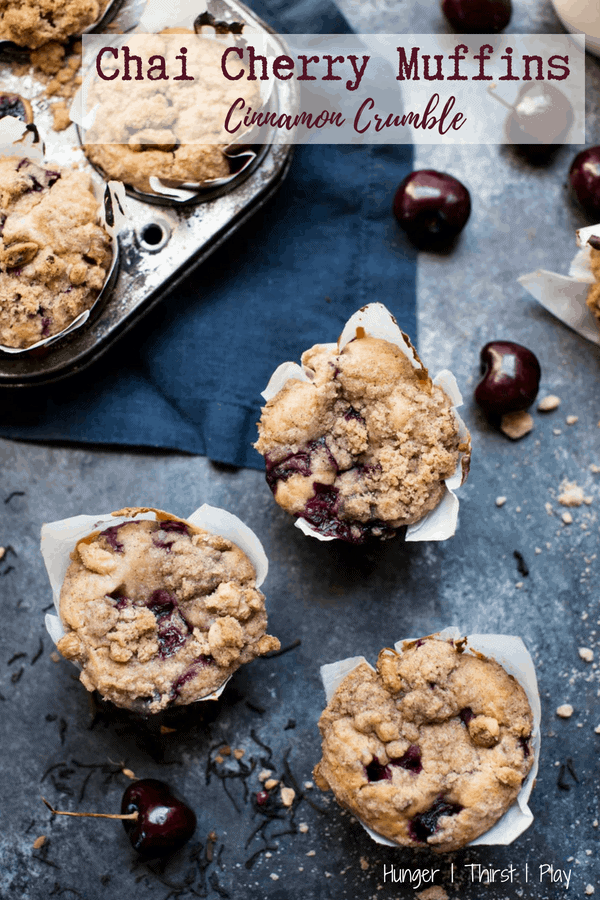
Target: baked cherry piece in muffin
{"x":364,"y":446}
{"x":160,"y":613}
{"x":431,"y":748}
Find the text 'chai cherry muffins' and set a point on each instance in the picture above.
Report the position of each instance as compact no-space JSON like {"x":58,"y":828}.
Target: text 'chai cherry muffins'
{"x":432,"y":747}
{"x":360,"y":442}
{"x":157,"y":610}
{"x":55,"y":255}
{"x":32,"y":23}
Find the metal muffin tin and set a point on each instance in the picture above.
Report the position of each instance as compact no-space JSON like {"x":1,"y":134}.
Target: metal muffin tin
{"x":161,"y":244}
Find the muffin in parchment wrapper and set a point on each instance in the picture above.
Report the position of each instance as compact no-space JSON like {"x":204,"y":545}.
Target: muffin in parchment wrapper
{"x":59,"y":247}
{"x":439,"y":746}
{"x":360,"y":443}
{"x":167,"y":138}
{"x":33,"y":23}
{"x":573,"y":298}
{"x":157,"y":611}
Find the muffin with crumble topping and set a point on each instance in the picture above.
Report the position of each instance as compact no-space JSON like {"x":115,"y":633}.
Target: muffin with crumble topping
{"x":362,"y":445}
{"x":160,"y":612}
{"x":429,"y":749}
{"x":54,"y":255}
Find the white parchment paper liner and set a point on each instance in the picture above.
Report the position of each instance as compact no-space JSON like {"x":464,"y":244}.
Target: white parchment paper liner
{"x":378,"y":322}
{"x":17,"y":140}
{"x":60,"y":538}
{"x":565,"y":295}
{"x":512,"y":654}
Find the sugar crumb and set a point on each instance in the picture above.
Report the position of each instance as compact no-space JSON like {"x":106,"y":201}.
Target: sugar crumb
{"x":287,"y":795}
{"x":548,"y":403}
{"x":516,"y":425}
{"x":565,"y":711}
{"x":500,"y":501}
{"x":572,"y":494}
{"x":433,"y":893}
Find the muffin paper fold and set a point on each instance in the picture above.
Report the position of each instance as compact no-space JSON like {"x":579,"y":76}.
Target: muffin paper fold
{"x":377,"y":321}
{"x":565,"y":295}
{"x":18,"y":140}
{"x":59,"y":539}
{"x":511,"y":653}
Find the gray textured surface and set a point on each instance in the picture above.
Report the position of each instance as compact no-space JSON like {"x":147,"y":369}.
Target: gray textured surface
{"x":337,"y":600}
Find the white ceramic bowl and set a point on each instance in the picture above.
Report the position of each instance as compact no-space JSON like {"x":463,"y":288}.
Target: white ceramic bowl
{"x":581,"y":16}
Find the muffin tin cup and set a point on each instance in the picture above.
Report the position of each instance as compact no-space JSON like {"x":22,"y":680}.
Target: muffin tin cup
{"x":565,"y":295}
{"x":376,"y":321}
{"x":511,"y":653}
{"x":17,"y":139}
{"x":242,"y":155}
{"x":58,"y":539}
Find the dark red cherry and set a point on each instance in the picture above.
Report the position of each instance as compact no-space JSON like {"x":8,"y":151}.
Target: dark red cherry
{"x":542,"y":114}
{"x":477,"y":16}
{"x":584,"y":177}
{"x":164,"y":823}
{"x":511,"y":378}
{"x":431,"y":207}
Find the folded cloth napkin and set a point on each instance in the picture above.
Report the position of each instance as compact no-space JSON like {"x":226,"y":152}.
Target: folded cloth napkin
{"x":189,"y":376}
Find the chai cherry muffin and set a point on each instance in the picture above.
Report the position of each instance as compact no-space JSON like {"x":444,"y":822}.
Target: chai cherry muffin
{"x":431,"y":748}
{"x":145,"y":129}
{"x":593,"y":297}
{"x":160,"y":613}
{"x":54,"y":256}
{"x":364,"y":447}
{"x":31,"y":23}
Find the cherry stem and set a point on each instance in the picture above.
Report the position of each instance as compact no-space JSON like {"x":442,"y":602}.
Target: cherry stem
{"x":59,"y":812}
{"x":491,"y":90}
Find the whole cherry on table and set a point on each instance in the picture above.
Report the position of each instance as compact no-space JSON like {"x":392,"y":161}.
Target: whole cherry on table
{"x":156,"y":821}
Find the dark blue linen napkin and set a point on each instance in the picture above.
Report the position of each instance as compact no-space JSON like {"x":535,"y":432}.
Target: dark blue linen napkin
{"x":189,"y":376}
